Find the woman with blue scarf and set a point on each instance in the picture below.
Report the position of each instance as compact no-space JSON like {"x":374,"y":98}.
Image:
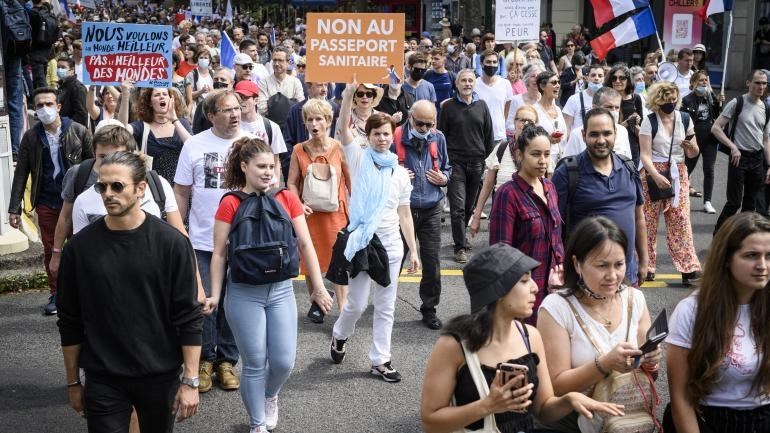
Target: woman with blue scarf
{"x":379,"y":204}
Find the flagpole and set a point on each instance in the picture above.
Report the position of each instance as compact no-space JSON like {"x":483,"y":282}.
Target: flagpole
{"x":657,"y":35}
{"x":727,"y":51}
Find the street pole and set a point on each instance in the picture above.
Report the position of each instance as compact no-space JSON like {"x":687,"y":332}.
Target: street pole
{"x":727,"y":51}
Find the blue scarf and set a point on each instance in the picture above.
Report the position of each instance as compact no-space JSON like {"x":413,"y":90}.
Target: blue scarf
{"x":371,"y":189}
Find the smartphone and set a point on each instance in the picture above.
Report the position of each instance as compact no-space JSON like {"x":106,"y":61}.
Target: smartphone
{"x":689,"y":137}
{"x":515,"y":372}
{"x":655,"y":335}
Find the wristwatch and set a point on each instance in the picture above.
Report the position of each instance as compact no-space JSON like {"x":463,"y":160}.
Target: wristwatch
{"x":192,"y":382}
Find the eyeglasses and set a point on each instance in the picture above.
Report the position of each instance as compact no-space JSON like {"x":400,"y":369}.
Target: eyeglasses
{"x":570,"y":45}
{"x":427,"y":47}
{"x":525,"y":121}
{"x":117,"y":187}
{"x":230,"y":110}
{"x":619,"y":78}
{"x":248,"y":66}
{"x":421,"y":124}
{"x":553,"y":82}
{"x":369,"y":95}
{"x":300,"y":66}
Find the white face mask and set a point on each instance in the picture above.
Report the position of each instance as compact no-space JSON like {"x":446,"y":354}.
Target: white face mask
{"x":203,"y":63}
{"x":47,"y":115}
{"x":615,"y":115}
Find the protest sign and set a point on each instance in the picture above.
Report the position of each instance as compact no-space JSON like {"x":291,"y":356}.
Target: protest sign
{"x":370,"y":45}
{"x":113,"y":53}
{"x":201,"y":8}
{"x":681,"y":24}
{"x":517,"y":20}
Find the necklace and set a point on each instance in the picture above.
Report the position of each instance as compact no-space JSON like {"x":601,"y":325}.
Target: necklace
{"x":161,"y":123}
{"x":607,"y":322}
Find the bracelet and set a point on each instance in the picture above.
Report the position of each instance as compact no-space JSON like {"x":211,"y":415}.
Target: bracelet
{"x":75,"y":383}
{"x":56,"y":250}
{"x":598,"y":366}
{"x":174,"y":121}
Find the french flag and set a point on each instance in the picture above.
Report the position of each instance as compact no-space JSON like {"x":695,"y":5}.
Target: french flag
{"x":608,"y":10}
{"x":712,"y":7}
{"x":226,"y":51}
{"x":636,"y":27}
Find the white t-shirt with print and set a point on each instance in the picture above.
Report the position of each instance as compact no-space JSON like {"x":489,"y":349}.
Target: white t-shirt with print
{"x":733,"y":386}
{"x":399,"y":195}
{"x":257,"y":129}
{"x":89,"y":207}
{"x":202,"y":166}
{"x":496,"y":96}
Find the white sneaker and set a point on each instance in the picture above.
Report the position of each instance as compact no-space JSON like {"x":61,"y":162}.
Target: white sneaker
{"x":446,"y":206}
{"x":271,"y":412}
{"x":258,"y":429}
{"x":708,"y":208}
{"x":484,"y":215}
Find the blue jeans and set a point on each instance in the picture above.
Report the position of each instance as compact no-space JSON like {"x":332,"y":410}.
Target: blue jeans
{"x":218,"y":341}
{"x":264,"y":321}
{"x":14,"y":86}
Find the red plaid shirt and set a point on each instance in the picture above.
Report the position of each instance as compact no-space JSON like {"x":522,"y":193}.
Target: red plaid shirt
{"x":520,"y":218}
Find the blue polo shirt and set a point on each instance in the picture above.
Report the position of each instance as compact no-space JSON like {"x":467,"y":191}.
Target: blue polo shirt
{"x":615,"y":196}
{"x":424,"y":90}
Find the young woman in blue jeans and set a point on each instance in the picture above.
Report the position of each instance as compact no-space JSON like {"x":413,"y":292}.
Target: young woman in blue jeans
{"x":268,"y":352}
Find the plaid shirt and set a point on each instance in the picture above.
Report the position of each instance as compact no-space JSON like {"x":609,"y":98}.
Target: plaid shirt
{"x":520,"y":218}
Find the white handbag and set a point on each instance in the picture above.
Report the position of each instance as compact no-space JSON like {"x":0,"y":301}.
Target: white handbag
{"x":474,"y":366}
{"x":321,"y":187}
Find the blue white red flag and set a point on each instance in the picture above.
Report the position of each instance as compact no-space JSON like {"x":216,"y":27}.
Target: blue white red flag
{"x":636,"y":27}
{"x":712,"y":7}
{"x":226,"y":51}
{"x":607,"y":10}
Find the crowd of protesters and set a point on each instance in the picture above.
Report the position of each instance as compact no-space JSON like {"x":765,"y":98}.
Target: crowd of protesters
{"x":350,"y":181}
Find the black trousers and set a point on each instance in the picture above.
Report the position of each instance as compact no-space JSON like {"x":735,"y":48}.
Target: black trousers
{"x":745,"y":186}
{"x":708,"y":148}
{"x":108,"y":401}
{"x":462,"y":191}
{"x":427,"y":230}
{"x":715,"y":419}
{"x":38,"y":74}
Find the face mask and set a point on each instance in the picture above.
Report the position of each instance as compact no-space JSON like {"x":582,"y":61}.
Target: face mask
{"x":417,"y":73}
{"x":61,"y":73}
{"x":639,"y":88}
{"x":668,"y":107}
{"x":203,"y":63}
{"x":419,"y":135}
{"x":450,"y":49}
{"x":615,"y":115}
{"x":701,"y":90}
{"x":490,"y":70}
{"x":47,"y":115}
{"x":593,"y":87}
{"x":220,"y":85}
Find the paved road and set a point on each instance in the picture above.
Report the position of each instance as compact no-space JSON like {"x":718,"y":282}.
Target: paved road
{"x":319,"y":396}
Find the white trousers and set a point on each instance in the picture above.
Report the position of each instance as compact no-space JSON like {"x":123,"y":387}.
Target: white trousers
{"x":383,"y":298}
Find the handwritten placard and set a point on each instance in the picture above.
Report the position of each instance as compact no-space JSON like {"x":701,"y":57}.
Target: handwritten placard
{"x":113,"y":53}
{"x":517,"y":20}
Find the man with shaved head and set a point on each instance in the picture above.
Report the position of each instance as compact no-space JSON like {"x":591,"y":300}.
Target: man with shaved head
{"x":421,"y":149}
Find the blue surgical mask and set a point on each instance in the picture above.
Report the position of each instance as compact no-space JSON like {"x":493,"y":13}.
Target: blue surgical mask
{"x":639,"y":88}
{"x":593,"y":87}
{"x":61,"y":73}
{"x":702,"y":90}
{"x":203,"y":63}
{"x":415,"y":133}
{"x":450,"y":49}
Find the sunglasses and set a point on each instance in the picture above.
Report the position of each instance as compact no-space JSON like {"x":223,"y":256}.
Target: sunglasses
{"x":525,"y":121}
{"x":117,"y":187}
{"x":248,"y":66}
{"x":369,"y":95}
{"x":619,"y":78}
{"x":421,"y":124}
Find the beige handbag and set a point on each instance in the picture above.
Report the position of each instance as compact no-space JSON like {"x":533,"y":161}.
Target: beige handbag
{"x":474,"y":366}
{"x":321,"y":186}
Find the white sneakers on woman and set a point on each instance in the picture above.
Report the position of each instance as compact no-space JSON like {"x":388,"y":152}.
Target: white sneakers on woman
{"x":271,"y":412}
{"x":258,"y":429}
{"x":708,"y":208}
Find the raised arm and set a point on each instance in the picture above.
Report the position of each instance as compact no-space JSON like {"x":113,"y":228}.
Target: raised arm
{"x":346,"y":135}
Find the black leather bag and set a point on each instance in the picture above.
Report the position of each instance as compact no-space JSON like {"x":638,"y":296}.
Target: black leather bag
{"x":657,"y":193}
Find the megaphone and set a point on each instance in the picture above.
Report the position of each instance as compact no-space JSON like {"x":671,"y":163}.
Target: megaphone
{"x":667,"y":71}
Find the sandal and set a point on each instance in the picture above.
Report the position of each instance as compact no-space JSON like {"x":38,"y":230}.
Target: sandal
{"x":694,"y":193}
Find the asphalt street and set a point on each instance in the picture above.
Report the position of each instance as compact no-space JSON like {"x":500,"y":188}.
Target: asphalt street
{"x":319,"y":396}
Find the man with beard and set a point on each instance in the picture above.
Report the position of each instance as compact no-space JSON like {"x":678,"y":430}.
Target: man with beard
{"x":599,"y":182}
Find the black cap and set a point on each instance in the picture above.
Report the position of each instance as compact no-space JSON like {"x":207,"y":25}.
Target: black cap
{"x":491,"y":273}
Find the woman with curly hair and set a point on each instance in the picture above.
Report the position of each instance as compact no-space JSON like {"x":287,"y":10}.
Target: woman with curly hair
{"x":161,"y":129}
{"x":718,"y":368}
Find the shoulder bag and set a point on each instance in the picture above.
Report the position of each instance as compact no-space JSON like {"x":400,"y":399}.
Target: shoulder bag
{"x":474,"y":366}
{"x":639,"y":397}
{"x":657,"y":193}
{"x":320,"y":188}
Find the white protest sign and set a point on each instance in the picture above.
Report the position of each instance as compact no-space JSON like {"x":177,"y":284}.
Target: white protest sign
{"x":517,"y":20}
{"x":201,"y":8}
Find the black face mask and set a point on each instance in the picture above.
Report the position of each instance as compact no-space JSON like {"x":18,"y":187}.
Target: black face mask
{"x":220,"y":85}
{"x":490,"y":70}
{"x":417,"y":73}
{"x":668,"y":107}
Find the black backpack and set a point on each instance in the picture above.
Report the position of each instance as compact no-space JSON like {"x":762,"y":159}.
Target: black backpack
{"x":45,"y":27}
{"x":262,"y":247}
{"x":278,"y":107}
{"x":16,"y":31}
{"x":573,"y":176}
{"x":153,"y":182}
{"x":733,"y":123}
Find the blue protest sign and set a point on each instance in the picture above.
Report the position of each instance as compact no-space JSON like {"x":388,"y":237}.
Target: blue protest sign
{"x":113,"y":53}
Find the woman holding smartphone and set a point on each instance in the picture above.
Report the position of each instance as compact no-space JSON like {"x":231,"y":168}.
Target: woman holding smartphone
{"x":549,"y":115}
{"x":595,"y":291}
{"x":478,"y":345}
{"x":631,"y":105}
{"x":718,"y":370}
